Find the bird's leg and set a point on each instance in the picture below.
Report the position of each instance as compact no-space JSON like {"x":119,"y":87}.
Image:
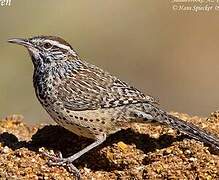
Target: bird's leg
{"x":99,"y":141}
{"x":60,"y":161}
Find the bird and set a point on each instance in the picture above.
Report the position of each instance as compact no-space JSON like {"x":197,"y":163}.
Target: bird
{"x":91,"y":102}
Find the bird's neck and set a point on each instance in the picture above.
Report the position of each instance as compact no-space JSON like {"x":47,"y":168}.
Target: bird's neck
{"x":53,"y":72}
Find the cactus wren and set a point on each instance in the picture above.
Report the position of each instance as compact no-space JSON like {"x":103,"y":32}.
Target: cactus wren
{"x":91,"y":102}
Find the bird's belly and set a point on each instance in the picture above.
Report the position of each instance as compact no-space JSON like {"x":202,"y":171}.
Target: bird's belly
{"x":88,"y":123}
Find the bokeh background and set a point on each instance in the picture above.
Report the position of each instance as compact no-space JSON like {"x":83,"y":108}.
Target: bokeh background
{"x":169,"y":54}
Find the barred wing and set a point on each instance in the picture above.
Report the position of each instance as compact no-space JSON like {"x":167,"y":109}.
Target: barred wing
{"x":92,"y":88}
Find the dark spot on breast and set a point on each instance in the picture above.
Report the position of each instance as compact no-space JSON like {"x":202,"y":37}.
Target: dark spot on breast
{"x":111,"y":102}
{"x":121,"y":101}
{"x":91,"y":120}
{"x":103,"y":122}
{"x":49,"y":89}
{"x":81,"y":118}
{"x":140,"y":115}
{"x":76,"y":117}
{"x":130,"y":101}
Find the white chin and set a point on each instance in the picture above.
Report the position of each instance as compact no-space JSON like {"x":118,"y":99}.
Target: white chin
{"x":35,"y":52}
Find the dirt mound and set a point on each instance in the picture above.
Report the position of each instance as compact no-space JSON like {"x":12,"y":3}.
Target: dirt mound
{"x":142,"y":152}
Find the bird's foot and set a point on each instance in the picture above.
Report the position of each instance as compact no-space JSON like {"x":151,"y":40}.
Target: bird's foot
{"x":58,"y":160}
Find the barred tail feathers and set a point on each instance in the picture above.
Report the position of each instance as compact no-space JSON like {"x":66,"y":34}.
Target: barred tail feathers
{"x":152,"y":113}
{"x":192,"y":131}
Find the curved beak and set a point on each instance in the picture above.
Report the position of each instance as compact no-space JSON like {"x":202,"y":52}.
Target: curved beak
{"x":20,"y":41}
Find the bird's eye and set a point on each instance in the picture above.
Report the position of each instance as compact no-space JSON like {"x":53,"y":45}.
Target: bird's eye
{"x":47,"y":45}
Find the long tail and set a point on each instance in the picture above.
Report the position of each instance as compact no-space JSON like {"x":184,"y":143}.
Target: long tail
{"x":193,"y":131}
{"x":152,"y":113}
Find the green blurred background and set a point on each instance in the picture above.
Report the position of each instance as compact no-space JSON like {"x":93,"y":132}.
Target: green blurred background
{"x":168,"y":54}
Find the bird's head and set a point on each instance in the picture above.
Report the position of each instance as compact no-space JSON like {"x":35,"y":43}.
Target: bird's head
{"x":47,"y":49}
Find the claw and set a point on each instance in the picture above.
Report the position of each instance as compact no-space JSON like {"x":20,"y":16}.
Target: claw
{"x":60,"y":161}
{"x":52,"y":157}
{"x":57,"y":162}
{"x":67,"y":162}
{"x":72,"y":169}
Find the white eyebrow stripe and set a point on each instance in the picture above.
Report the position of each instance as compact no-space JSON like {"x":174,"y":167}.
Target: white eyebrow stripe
{"x":56,"y":43}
